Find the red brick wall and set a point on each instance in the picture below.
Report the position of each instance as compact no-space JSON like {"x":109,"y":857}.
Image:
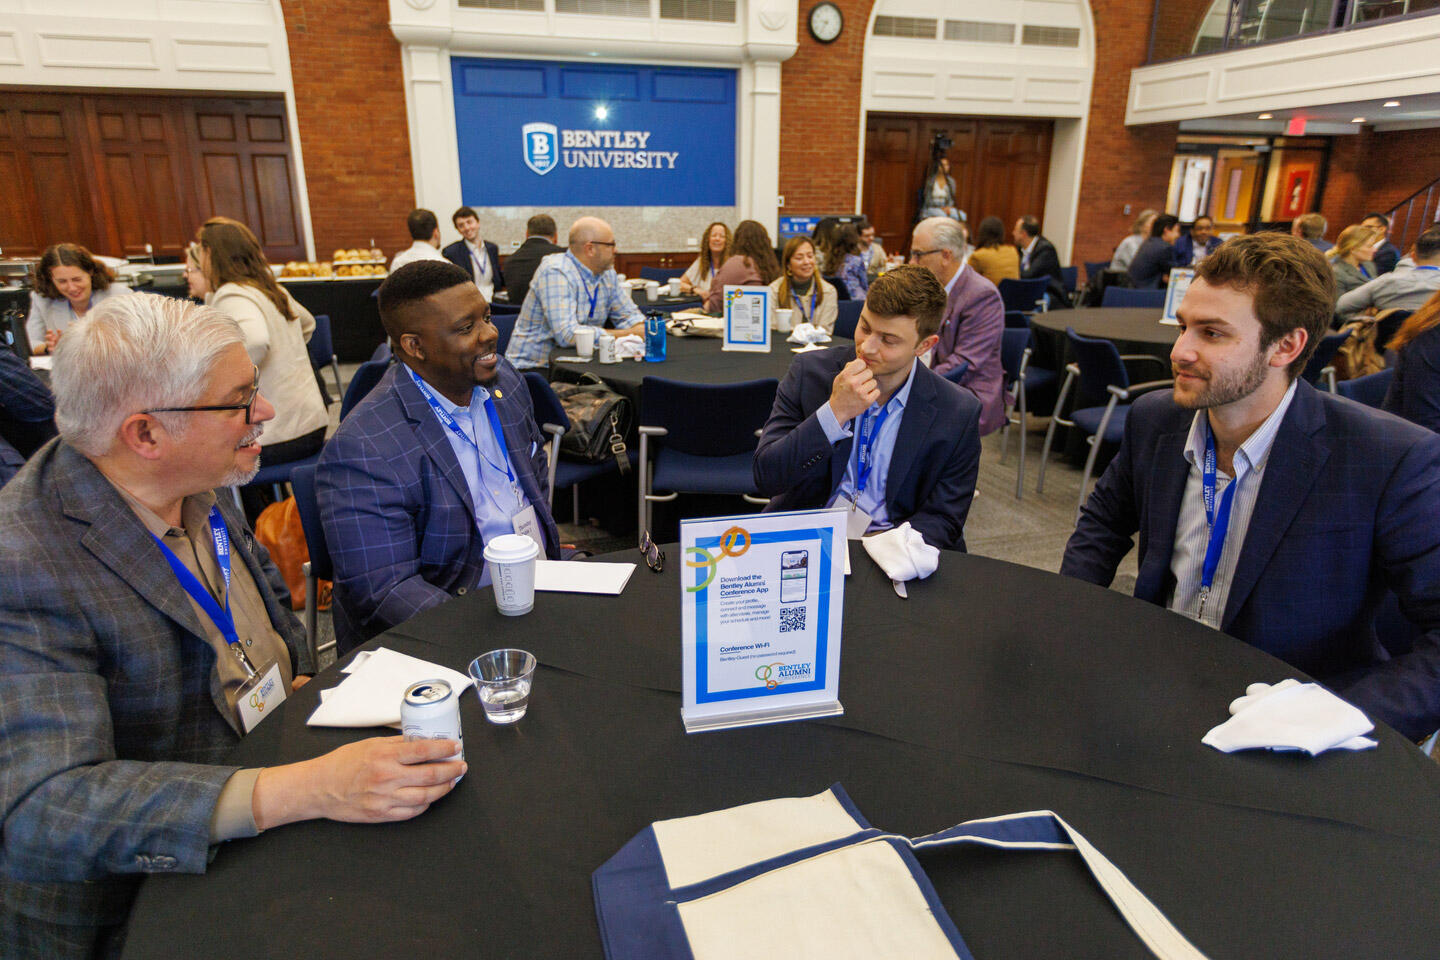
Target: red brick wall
{"x":820,"y":116}
{"x":1375,"y":171}
{"x":350,"y":97}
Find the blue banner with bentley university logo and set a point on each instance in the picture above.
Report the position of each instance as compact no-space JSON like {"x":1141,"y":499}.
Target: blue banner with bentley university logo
{"x":549,"y":134}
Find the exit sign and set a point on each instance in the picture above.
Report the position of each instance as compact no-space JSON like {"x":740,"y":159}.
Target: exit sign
{"x":1295,"y":127}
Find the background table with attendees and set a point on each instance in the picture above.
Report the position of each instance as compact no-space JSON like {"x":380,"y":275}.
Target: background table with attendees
{"x":994,"y":689}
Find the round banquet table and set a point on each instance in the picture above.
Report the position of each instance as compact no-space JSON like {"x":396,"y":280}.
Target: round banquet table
{"x":994,"y":689}
{"x":690,"y":360}
{"x":1132,"y":329}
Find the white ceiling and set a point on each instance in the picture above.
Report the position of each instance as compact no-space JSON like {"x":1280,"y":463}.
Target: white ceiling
{"x":1418,"y":111}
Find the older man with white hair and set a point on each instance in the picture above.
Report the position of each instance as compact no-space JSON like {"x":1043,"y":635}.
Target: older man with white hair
{"x":140,"y":626}
{"x":974,"y":321}
{"x":569,"y":289}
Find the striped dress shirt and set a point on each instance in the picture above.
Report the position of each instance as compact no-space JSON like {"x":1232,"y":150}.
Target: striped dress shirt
{"x":558,"y":302}
{"x":1192,"y":529}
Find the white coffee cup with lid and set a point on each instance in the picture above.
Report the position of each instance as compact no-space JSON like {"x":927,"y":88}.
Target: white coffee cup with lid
{"x":652,"y":290}
{"x":782,"y":320}
{"x":584,"y":341}
{"x":510,"y":558}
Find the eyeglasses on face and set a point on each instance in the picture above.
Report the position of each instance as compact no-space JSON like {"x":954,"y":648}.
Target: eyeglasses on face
{"x":917,"y":254}
{"x":603,"y":243}
{"x":248,"y":406}
{"x":654,"y":556}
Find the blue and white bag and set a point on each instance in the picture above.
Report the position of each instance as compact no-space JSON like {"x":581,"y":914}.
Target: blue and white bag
{"x":808,"y":877}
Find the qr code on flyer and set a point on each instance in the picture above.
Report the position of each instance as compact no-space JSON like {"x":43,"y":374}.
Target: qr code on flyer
{"x":792,"y":619}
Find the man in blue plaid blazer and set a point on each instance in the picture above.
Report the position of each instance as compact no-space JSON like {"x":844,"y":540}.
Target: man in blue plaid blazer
{"x":119,"y":695}
{"x":1271,"y":511}
{"x":416,"y":479}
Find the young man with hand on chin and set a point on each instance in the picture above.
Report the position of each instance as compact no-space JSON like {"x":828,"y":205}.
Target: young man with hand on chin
{"x":876,"y":432}
{"x":1267,"y":509}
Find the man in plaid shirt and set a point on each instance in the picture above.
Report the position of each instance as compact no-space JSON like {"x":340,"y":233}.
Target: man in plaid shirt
{"x":571,"y":288}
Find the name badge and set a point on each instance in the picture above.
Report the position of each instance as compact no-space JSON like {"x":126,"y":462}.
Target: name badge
{"x":525,"y":524}
{"x":857,"y":521}
{"x":260,"y":696}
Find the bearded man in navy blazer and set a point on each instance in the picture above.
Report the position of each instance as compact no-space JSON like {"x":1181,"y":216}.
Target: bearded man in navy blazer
{"x":874,"y":430}
{"x":1271,"y":511}
{"x":417,"y":478}
{"x":479,"y":258}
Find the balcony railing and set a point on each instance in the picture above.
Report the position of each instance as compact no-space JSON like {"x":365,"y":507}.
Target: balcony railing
{"x":1189,"y":28}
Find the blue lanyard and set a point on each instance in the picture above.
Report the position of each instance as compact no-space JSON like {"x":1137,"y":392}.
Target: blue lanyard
{"x":592,"y":294}
{"x":222,"y":618}
{"x":454,"y":427}
{"x":480,"y":259}
{"x":865,"y":446}
{"x":1219,"y":523}
{"x":1427,"y":268}
{"x":814,"y":289}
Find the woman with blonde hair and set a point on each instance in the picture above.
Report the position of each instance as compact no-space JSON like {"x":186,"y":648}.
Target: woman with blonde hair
{"x":1354,"y":246}
{"x":1415,"y":392}
{"x":1139,"y":233}
{"x":714,"y":251}
{"x":68,"y":282}
{"x":802,"y":289}
{"x":275,"y":328}
{"x":751,"y":263}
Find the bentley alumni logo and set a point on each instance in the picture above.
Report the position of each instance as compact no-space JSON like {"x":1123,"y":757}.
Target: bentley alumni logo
{"x":545,"y":147}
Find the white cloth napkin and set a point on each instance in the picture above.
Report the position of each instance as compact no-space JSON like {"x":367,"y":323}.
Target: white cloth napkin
{"x":808,"y":333}
{"x":902,"y":553}
{"x":1291,"y":716}
{"x":370,"y":696}
{"x":630,"y":347}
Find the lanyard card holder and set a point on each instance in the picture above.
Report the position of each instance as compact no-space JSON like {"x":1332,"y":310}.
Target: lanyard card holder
{"x":807,"y":878}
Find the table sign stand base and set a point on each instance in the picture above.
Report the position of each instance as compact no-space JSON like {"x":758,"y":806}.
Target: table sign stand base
{"x":755,"y":718}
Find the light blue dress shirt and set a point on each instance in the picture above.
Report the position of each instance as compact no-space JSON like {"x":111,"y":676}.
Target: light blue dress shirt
{"x":559,"y":301}
{"x":872,"y":498}
{"x":496,"y":498}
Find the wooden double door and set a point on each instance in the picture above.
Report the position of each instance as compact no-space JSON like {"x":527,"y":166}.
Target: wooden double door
{"x":120,"y":173}
{"x":1001,"y":167}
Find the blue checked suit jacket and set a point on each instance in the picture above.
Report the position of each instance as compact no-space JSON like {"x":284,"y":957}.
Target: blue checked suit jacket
{"x":112,"y":716}
{"x":1349,"y":507}
{"x":931,"y":480}
{"x":398,"y":516}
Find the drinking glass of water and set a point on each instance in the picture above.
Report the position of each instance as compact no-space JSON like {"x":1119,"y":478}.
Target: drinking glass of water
{"x":502,"y":678}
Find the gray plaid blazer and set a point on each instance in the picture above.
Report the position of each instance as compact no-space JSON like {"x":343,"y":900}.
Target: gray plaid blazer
{"x":112,"y":715}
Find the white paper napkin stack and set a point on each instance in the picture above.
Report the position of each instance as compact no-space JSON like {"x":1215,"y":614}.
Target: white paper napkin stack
{"x":808,"y":333}
{"x":902,"y":553}
{"x":630,"y":347}
{"x":370,"y":696}
{"x":1291,"y":716}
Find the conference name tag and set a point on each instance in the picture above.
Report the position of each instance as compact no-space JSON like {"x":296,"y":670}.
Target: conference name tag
{"x":526,"y":524}
{"x":857,"y":521}
{"x":259,"y":696}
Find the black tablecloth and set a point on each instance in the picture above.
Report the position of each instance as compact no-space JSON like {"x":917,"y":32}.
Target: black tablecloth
{"x":665,"y":303}
{"x":353,"y":311}
{"x":994,"y":689}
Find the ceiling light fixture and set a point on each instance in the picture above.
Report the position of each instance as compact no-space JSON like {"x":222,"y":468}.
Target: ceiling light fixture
{"x":601,"y":113}
{"x":1358,"y":120}
{"x":1392,"y":103}
{"x":1266,"y":116}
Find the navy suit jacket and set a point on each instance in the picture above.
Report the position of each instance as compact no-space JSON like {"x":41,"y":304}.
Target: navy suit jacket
{"x":398,"y":516}
{"x":1348,"y":508}
{"x":459,"y":254}
{"x":932,"y":471}
{"x":1185,"y":249}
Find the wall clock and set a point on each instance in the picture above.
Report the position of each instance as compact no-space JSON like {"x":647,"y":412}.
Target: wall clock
{"x":826,"y":22}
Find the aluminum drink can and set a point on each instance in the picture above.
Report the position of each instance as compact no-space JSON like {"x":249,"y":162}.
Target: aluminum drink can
{"x":606,"y":346}
{"x":430,"y":710}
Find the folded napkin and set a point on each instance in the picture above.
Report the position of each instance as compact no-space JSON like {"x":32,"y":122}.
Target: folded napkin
{"x":902,"y":553}
{"x":370,"y":696}
{"x":630,"y":347}
{"x":1291,"y":716}
{"x":808,"y":333}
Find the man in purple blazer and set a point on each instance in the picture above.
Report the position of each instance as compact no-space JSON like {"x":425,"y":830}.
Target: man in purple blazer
{"x":974,"y":324}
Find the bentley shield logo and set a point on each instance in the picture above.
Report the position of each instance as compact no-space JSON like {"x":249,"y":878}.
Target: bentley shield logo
{"x":541,"y":146}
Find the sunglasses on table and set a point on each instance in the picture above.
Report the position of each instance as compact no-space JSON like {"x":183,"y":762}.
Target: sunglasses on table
{"x":654,"y":556}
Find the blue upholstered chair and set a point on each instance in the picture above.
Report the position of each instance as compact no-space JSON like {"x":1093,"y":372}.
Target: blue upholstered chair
{"x":847,"y":317}
{"x":367,"y":375}
{"x":302,"y":482}
{"x":1128,"y":297}
{"x":1369,"y":390}
{"x":322,"y":348}
{"x":550,"y":415}
{"x":1024,"y":296}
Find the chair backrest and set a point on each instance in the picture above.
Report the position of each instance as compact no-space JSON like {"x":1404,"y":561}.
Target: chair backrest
{"x":1128,"y":297}
{"x":321,"y":346}
{"x":841,"y":291}
{"x":1070,"y":276}
{"x":1022,"y":294}
{"x":366,"y":376}
{"x":302,"y":483}
{"x":1386,"y":328}
{"x":847,"y":317}
{"x":1017,"y":318}
{"x":1100,"y":367}
{"x":18,"y":339}
{"x":382,"y":353}
{"x":1325,"y":351}
{"x":707,"y":420}
{"x":511,"y":308}
{"x":957,"y":373}
{"x":548,"y":408}
{"x":1094,"y":269}
{"x":1013,"y":342}
{"x":1369,"y":390}
{"x":661,"y":274}
{"x":505,"y":323}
